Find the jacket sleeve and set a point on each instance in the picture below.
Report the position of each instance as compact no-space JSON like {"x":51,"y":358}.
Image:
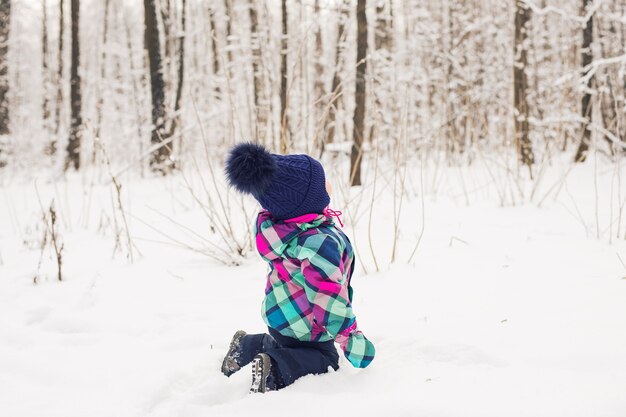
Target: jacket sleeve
{"x":324,"y":275}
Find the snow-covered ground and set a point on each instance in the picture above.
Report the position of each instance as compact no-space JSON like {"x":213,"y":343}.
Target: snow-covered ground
{"x":503,"y":311}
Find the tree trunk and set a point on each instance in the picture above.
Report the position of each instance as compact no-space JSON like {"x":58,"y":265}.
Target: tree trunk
{"x":318,"y":83}
{"x":103,"y":73}
{"x":73,"y":146}
{"x":176,"y":122}
{"x":59,"y":81}
{"x":216,"y":57}
{"x":448,"y":85}
{"x":336,"y":89}
{"x":621,"y":80}
{"x":5,"y":20}
{"x":359,"y":110}
{"x":607,"y":98}
{"x":520,"y":86}
{"x":229,"y":33}
{"x":45,"y":68}
{"x":260,"y":104}
{"x":380,"y":67}
{"x":384,"y":24}
{"x":167,"y":16}
{"x":284,"y":123}
{"x":586,"y":108}
{"x":160,"y":156}
{"x":139,"y":117}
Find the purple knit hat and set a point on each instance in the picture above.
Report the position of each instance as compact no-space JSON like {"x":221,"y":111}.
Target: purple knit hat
{"x":285,"y":185}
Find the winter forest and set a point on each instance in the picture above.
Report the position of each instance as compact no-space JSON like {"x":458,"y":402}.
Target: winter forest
{"x":475,"y":151}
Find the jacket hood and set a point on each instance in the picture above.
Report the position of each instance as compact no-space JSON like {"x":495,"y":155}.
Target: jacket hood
{"x":273,"y":237}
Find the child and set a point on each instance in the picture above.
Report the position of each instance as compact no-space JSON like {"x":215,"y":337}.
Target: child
{"x":308,"y":296}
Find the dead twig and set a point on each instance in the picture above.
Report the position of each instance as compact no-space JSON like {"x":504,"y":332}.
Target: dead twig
{"x":118,"y":191}
{"x":51,"y":231}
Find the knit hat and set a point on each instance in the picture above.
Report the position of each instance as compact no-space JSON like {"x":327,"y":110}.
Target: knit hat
{"x":285,"y":185}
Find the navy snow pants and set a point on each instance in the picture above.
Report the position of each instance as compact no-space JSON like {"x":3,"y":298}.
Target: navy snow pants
{"x":291,"y":358}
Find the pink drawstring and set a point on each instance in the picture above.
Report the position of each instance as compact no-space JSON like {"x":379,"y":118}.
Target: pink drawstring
{"x":332,"y":213}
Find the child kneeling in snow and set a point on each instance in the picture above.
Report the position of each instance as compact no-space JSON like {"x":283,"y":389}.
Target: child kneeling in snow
{"x":308,"y":296}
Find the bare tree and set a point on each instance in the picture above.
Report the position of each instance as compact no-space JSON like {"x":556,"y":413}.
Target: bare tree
{"x":384,"y":24}
{"x":73,"y":146}
{"x":520,"y":85}
{"x":450,"y":84}
{"x":176,"y":121}
{"x":336,"y":89}
{"x":59,"y":81}
{"x":5,"y":20}
{"x":229,"y":32}
{"x":45,"y":67}
{"x":260,"y":103}
{"x":284,"y":122}
{"x":318,"y":84}
{"x":136,"y":85}
{"x":216,"y":58}
{"x":608,"y":94}
{"x":586,"y":107}
{"x":161,"y":154}
{"x":103,"y":72}
{"x":379,"y":67}
{"x":359,"y":110}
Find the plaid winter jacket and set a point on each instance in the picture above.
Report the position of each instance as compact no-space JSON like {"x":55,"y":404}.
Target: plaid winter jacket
{"x":308,"y":294}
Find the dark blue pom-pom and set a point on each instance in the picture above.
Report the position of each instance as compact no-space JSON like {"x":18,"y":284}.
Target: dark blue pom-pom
{"x":250,"y":168}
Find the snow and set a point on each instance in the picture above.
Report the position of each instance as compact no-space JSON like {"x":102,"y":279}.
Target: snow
{"x":517,"y":310}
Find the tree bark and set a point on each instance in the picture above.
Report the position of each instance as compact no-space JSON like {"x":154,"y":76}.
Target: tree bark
{"x":260,"y":103}
{"x":139,"y":117}
{"x":164,"y":7}
{"x":318,"y":83}
{"x":356,"y":155}
{"x":216,"y":58}
{"x":520,"y":86}
{"x":336,"y":88}
{"x":379,"y":67}
{"x":160,"y":156}
{"x":451,"y":87}
{"x":384,"y":23}
{"x":103,"y":72}
{"x":229,"y":33}
{"x":284,"y":123}
{"x":59,"y":81}
{"x":73,"y":146}
{"x":5,"y":20}
{"x":45,"y":67}
{"x":586,"y":108}
{"x":176,"y":122}
{"x":607,"y":98}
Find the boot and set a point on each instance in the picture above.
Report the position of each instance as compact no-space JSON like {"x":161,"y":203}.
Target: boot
{"x":230,"y":364}
{"x":263,"y":379}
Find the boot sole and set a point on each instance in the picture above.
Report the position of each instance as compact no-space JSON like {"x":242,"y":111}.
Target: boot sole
{"x":260,"y":371}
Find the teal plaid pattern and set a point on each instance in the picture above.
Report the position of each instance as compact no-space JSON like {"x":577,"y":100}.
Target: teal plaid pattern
{"x":308,"y":293}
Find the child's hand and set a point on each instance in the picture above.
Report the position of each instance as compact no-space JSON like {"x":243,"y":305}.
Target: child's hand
{"x":359,"y":350}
